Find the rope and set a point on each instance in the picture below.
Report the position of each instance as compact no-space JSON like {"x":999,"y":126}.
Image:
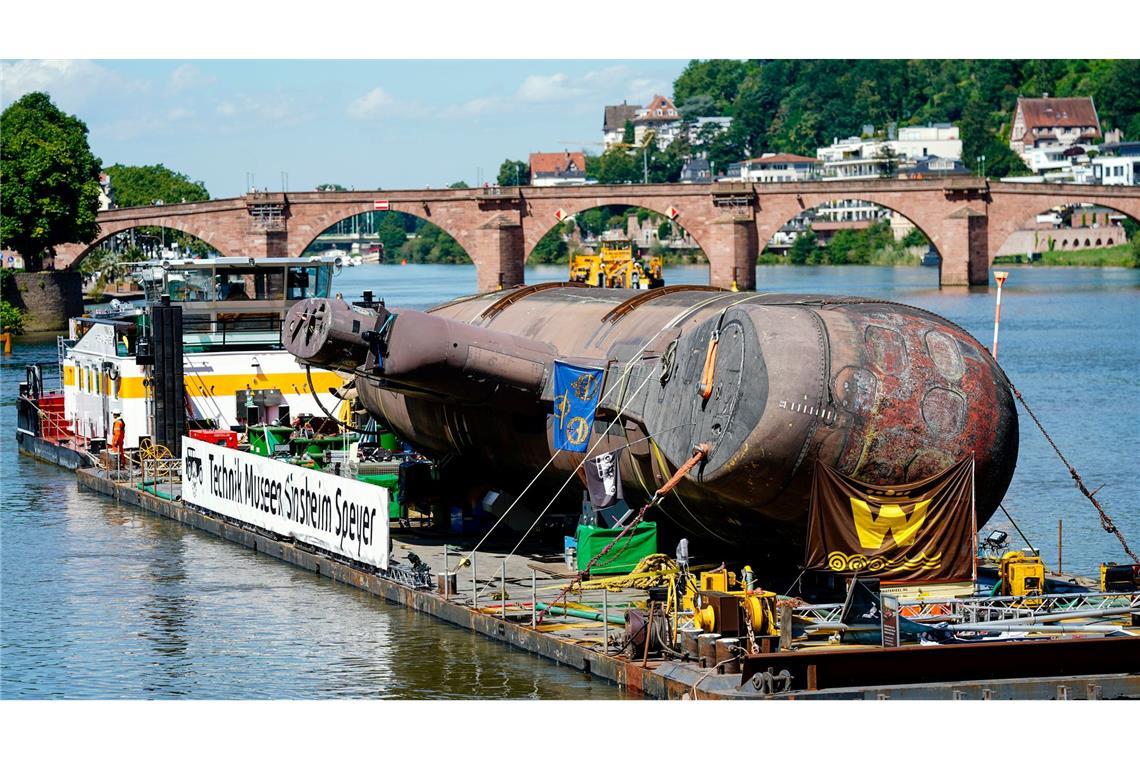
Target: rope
{"x":700,"y":453}
{"x":650,"y":571}
{"x":1105,"y":520}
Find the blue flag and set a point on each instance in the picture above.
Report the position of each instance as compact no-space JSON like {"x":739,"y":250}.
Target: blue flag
{"x":577,"y":391}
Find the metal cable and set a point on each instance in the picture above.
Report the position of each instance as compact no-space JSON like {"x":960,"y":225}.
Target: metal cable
{"x":1105,"y":520}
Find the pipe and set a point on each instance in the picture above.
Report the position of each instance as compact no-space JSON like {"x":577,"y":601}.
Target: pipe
{"x":583,"y":614}
{"x":994,"y":627}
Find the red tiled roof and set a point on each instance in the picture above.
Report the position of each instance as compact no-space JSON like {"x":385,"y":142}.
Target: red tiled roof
{"x":556,"y":163}
{"x":1058,"y":112}
{"x":783,"y":158}
{"x":665,"y":105}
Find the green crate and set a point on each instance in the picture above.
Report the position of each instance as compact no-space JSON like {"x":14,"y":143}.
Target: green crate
{"x":633,"y":547}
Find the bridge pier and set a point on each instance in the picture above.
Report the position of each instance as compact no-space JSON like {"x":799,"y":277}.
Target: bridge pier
{"x":964,"y":247}
{"x":499,"y":255}
{"x":733,"y":248}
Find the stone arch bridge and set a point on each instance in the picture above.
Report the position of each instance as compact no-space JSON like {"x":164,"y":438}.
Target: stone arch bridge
{"x":966,"y":218}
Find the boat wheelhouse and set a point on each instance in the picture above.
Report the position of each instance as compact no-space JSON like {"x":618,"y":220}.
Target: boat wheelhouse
{"x":235,"y":369}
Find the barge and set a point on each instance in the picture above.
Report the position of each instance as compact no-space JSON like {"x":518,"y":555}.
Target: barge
{"x":878,"y":625}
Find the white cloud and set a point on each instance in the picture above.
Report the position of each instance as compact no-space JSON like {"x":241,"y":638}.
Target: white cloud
{"x":70,"y":83}
{"x":375,"y":102}
{"x":543,"y":89}
{"x":188,"y":77}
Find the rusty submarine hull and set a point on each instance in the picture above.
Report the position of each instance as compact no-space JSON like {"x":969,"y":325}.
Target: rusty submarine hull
{"x":883,"y":392}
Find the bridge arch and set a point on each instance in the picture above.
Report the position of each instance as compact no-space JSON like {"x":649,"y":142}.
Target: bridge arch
{"x":311,"y":221}
{"x":74,"y":254}
{"x":645,"y":238}
{"x":376,"y":226}
{"x":659,"y":206}
{"x":1013,"y":226}
{"x":853,"y":217}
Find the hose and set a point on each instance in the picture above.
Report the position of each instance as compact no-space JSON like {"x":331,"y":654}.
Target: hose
{"x":330,"y":415}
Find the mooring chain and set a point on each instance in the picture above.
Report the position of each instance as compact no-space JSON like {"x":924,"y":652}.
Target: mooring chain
{"x":1105,"y":521}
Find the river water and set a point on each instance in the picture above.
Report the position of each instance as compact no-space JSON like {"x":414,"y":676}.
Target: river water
{"x":99,"y":600}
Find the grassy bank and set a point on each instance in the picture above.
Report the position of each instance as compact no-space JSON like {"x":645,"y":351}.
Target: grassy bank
{"x":1127,"y":255}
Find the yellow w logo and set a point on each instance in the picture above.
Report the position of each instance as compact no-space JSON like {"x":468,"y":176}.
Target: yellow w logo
{"x":873,"y":531}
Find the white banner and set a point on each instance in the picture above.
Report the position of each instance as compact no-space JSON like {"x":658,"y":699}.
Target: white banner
{"x":346,"y":517}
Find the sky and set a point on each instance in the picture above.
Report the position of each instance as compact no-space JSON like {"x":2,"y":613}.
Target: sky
{"x":361,"y":124}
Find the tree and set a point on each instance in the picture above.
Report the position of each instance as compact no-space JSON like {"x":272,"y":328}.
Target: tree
{"x":628,"y":133}
{"x":805,"y":243}
{"x":617,"y":167}
{"x":331,"y":187}
{"x":392,"y":234}
{"x":50,"y":179}
{"x":514,"y":173}
{"x":460,"y":185}
{"x":143,"y":185}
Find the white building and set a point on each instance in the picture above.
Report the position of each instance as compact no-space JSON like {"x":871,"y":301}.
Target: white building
{"x":940,"y":140}
{"x":1116,"y":170}
{"x":859,"y":158}
{"x":780,"y":167}
{"x":614,"y":121}
{"x":662,"y":118}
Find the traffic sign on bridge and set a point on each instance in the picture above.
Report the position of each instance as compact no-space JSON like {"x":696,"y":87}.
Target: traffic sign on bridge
{"x":380,"y":205}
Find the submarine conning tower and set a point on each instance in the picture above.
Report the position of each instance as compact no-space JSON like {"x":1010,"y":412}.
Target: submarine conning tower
{"x":883,"y":392}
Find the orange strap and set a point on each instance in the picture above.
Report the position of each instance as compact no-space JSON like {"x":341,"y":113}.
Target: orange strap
{"x":706,"y":387}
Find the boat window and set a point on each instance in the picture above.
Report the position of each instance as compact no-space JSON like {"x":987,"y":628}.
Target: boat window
{"x":306,"y":282}
{"x":251,"y":283}
{"x":190,"y":285}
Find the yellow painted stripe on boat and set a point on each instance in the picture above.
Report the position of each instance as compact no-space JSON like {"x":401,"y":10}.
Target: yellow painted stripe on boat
{"x":226,"y":385}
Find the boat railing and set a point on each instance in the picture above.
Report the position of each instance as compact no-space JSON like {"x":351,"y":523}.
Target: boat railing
{"x":162,"y":477}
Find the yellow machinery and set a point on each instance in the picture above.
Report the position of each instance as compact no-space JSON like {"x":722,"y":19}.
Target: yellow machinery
{"x":616,"y":265}
{"x":1022,"y":574}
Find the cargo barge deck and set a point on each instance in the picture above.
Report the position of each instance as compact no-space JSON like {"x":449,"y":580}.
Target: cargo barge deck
{"x":1089,"y":668}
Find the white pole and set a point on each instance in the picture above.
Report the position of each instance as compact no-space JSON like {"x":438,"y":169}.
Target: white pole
{"x":1000,"y":277}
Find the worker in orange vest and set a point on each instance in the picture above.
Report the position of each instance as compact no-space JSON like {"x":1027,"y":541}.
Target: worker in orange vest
{"x":118,"y":434}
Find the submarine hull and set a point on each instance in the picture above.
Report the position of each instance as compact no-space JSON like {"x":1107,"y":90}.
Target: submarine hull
{"x":883,"y":392}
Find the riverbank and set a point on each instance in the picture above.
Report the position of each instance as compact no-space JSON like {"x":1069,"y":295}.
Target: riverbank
{"x":1127,"y":255}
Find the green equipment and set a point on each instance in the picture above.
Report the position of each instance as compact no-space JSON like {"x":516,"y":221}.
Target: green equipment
{"x":269,"y":440}
{"x":633,"y":547}
{"x":391,"y":482}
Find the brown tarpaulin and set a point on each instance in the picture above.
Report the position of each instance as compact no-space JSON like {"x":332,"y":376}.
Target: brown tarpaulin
{"x":922,"y":531}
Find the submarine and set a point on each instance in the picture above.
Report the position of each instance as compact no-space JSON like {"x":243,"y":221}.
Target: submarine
{"x":766,"y":384}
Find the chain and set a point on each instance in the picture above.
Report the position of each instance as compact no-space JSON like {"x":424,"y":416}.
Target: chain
{"x":1105,"y":520}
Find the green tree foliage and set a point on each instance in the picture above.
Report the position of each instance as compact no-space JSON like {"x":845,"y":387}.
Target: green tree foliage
{"x":143,"y":185}
{"x":11,"y":318}
{"x":432,"y":245}
{"x":802,"y":247}
{"x":331,"y":187}
{"x":393,"y":234}
{"x":628,"y":133}
{"x":799,"y":105}
{"x":513,"y":173}
{"x":551,"y":249}
{"x":50,"y":179}
{"x":460,"y":185}
{"x":617,"y":166}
